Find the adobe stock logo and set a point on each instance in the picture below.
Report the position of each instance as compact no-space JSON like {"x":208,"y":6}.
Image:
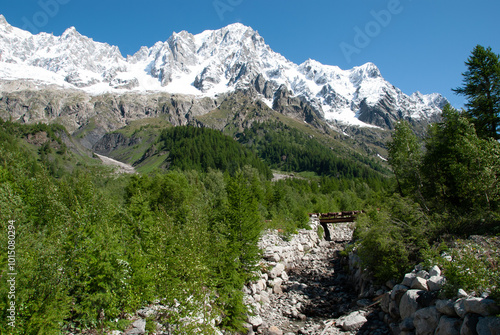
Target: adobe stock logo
{"x":223,"y":6}
{"x":48,"y":10}
{"x":372,"y":29}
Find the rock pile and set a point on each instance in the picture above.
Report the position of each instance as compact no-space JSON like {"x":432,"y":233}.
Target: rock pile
{"x":302,"y":287}
{"x":415,"y":307}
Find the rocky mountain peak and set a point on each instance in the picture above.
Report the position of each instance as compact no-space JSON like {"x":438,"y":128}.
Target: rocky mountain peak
{"x":3,"y":21}
{"x":213,"y":62}
{"x":71,"y":32}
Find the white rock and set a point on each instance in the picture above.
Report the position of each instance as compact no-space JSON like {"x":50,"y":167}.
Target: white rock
{"x":264,"y":298}
{"x":273,"y":330}
{"x":436,"y":283}
{"x":419,"y":283}
{"x":462,"y":294}
{"x":284,"y":276}
{"x":277,"y":270}
{"x":255,"y":320}
{"x":353,"y":321}
{"x":435,"y":271}
{"x":139,"y":327}
{"x":277,"y":286}
{"x":261,"y":285}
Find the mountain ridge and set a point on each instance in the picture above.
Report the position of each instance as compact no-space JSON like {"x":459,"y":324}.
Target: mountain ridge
{"x":213,"y":62}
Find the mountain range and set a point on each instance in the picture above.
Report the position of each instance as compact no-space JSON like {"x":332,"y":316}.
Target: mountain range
{"x":209,"y":65}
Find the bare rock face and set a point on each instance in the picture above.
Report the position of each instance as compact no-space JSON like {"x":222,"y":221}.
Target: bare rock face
{"x":91,"y":117}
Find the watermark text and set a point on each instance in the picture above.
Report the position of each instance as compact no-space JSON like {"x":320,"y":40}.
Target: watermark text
{"x":48,"y":10}
{"x":11,"y":273}
{"x":364,"y":35}
{"x":223,"y":6}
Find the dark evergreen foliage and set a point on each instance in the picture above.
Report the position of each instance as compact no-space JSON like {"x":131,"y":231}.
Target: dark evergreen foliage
{"x":203,"y":148}
{"x":288,"y":149}
{"x":481,"y":87}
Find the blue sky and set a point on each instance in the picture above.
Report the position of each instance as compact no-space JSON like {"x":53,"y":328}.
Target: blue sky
{"x":417,"y":44}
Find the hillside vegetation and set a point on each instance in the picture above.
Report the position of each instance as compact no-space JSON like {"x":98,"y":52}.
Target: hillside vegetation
{"x":447,"y":188}
{"x":91,"y":245}
{"x":88,"y":246}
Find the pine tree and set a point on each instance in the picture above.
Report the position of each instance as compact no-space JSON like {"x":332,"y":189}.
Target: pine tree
{"x":482,"y":90}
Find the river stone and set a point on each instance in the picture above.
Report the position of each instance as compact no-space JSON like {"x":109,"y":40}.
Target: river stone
{"x":469,"y":325}
{"x":139,"y":327}
{"x":435,"y":271}
{"x":353,"y":321}
{"x":397,"y":292}
{"x":448,"y":326}
{"x":277,"y":286}
{"x":435,"y":283}
{"x":460,"y":307}
{"x":394,"y":309}
{"x":419,"y":283}
{"x":277,"y":271}
{"x":426,"y":299}
{"x":264,"y":298}
{"x":385,"y":301}
{"x":446,"y":307}
{"x":488,"y":326}
{"x":409,"y":304}
{"x":426,"y":320}
{"x":273,"y":330}
{"x":255,"y":321}
{"x":408,"y":279}
{"x":484,"y":307}
{"x":261,"y":285}
{"x":407,"y":324}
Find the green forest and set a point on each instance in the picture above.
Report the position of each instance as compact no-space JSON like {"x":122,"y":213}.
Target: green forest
{"x":91,"y":246}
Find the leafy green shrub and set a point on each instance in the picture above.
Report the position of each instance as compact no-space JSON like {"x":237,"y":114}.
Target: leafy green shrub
{"x":391,"y":240}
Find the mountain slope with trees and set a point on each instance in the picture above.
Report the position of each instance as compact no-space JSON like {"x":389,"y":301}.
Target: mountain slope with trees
{"x":91,"y":245}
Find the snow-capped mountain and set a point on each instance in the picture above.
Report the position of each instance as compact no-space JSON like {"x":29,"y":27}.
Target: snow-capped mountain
{"x":210,"y":63}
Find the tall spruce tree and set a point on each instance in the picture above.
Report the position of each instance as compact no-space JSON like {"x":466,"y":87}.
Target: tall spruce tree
{"x":481,"y":87}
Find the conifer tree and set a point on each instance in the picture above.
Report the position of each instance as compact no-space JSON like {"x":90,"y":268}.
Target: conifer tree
{"x":481,"y":87}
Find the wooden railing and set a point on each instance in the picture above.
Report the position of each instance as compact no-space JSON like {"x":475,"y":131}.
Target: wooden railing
{"x":337,"y":217}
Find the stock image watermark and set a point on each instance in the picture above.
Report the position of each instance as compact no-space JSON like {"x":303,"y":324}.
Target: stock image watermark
{"x":11,"y":273}
{"x":48,"y":9}
{"x":364,"y":35}
{"x":223,"y":6}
